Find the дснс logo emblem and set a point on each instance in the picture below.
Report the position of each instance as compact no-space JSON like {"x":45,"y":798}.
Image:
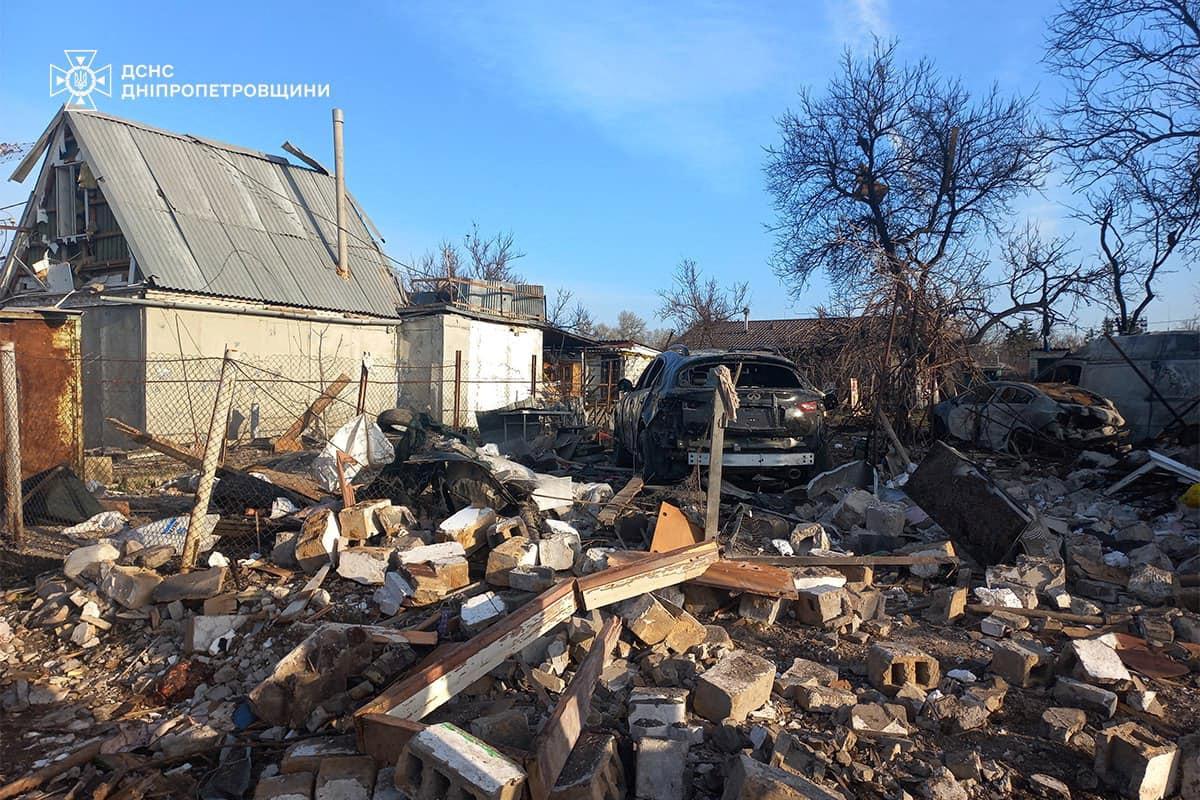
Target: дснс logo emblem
{"x":80,"y":79}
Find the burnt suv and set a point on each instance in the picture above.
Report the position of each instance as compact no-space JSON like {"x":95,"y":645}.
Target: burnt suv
{"x":662,"y":423}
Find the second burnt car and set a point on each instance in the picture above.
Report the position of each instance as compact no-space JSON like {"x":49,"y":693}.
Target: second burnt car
{"x":662,"y":423}
{"x":1023,"y":417}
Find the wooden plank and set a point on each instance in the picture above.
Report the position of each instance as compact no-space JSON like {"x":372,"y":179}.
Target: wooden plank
{"x":716,"y":462}
{"x":673,"y":530}
{"x":846,"y":561}
{"x":566,"y":722}
{"x":290,"y":440}
{"x":733,"y":576}
{"x":621,"y":500}
{"x":667,"y":569}
{"x":421,"y":692}
{"x":300,"y":484}
{"x":1037,"y":613}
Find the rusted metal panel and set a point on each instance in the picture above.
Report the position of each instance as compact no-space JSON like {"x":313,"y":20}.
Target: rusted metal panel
{"x":48,"y":375}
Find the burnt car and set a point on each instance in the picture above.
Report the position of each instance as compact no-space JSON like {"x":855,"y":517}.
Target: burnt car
{"x":662,"y":424}
{"x":1021,"y":418}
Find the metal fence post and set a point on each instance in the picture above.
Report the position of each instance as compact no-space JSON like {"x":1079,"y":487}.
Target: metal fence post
{"x":14,"y":517}
{"x":457,"y":385}
{"x":533,"y":376}
{"x":212,"y":452}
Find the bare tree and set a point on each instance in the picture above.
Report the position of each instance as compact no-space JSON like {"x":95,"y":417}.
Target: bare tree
{"x":697,"y":304}
{"x":1130,"y":129}
{"x":892,"y":182}
{"x":561,"y":313}
{"x":491,"y":258}
{"x":1040,"y":276}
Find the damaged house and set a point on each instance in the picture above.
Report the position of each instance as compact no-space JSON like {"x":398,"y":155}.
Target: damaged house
{"x":174,"y":247}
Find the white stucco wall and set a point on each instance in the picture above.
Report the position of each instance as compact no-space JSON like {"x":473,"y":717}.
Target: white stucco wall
{"x":284,"y":360}
{"x":496,"y":364}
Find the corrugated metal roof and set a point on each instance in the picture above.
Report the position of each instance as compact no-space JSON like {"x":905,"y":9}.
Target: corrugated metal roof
{"x":221,"y":220}
{"x":787,"y":336}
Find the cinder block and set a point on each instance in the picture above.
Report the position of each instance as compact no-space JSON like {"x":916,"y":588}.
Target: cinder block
{"x":756,"y":608}
{"x":1022,"y":663}
{"x":890,"y":666}
{"x":593,"y":771}
{"x":736,"y":685}
{"x":345,"y":778}
{"x":647,"y":618}
{"x":817,"y":605}
{"x":660,"y":713}
{"x":1137,"y":763}
{"x":947,"y":604}
{"x":803,"y":672}
{"x":360,"y":522}
{"x":515,"y":552}
{"x":444,"y":761}
{"x":286,"y":786}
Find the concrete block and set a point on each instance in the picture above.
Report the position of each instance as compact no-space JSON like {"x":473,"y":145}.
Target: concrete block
{"x":287,"y":786}
{"x":317,"y":540}
{"x":1093,"y":661}
{"x":687,"y":632}
{"x":817,"y":605}
{"x":647,"y":618}
{"x":224,"y":603}
{"x":444,"y":760}
{"x":661,"y":769}
{"x":756,"y":608}
{"x":660,"y":713}
{"x":129,"y":587}
{"x":365,"y":565}
{"x":803,"y":672}
{"x":1137,"y":763}
{"x":468,"y":527}
{"x":1077,"y":694}
{"x":559,"y":550}
{"x":824,"y":699}
{"x":885,"y":519}
{"x":736,"y":685}
{"x":529,"y":578}
{"x":392,"y":593}
{"x":876,"y":718}
{"x":506,"y":729}
{"x":1023,"y":664}
{"x":433,"y":580}
{"x":345,"y":778}
{"x":947,"y":604}
{"x":307,"y":754}
{"x":480,"y":611}
{"x":1063,"y":723}
{"x":514,"y":552}
{"x":85,"y":561}
{"x":748,"y":779}
{"x":394,"y":520}
{"x":593,"y":771}
{"x":360,"y":521}
{"x":890,"y":666}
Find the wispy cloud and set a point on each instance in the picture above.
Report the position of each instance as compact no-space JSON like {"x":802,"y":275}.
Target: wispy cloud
{"x":855,"y":23}
{"x":653,"y":78}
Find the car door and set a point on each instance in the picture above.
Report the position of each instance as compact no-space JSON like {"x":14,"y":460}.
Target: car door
{"x":963,"y":418}
{"x":1004,"y":413}
{"x":630,"y":406}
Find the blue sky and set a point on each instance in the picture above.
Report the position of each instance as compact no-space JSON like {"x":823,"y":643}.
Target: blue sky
{"x":612,"y":141}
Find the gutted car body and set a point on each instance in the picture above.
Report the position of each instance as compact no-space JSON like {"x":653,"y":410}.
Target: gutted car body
{"x":1021,"y":417}
{"x":663,"y":423}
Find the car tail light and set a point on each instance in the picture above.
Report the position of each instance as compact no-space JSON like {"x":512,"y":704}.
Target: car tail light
{"x":808,"y":407}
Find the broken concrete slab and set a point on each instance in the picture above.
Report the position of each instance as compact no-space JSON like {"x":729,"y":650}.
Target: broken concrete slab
{"x":748,"y":779}
{"x":739,"y":683}
{"x":365,"y":565}
{"x":647,"y":618}
{"x":392,"y":593}
{"x":468,"y":527}
{"x":286,"y":786}
{"x":360,"y":521}
{"x":210,"y":634}
{"x":199,"y":584}
{"x":560,"y":550}
{"x":528,"y":578}
{"x":803,"y":672}
{"x":345,"y":778}
{"x":306,"y":755}
{"x":968,"y":504}
{"x":1063,"y":723}
{"x":1071,"y":692}
{"x":1093,"y":661}
{"x":480,"y":611}
{"x":661,"y":770}
{"x":85,"y":561}
{"x":879,"y":718}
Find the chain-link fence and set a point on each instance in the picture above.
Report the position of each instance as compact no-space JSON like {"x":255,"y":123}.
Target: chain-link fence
{"x":145,"y":432}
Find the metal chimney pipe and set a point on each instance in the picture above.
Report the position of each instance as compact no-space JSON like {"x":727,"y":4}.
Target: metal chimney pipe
{"x":339,"y":164}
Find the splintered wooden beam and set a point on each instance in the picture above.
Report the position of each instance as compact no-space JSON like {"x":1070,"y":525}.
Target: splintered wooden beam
{"x":847,"y":561}
{"x":733,"y":576}
{"x":621,"y":500}
{"x":654,"y":572}
{"x":421,"y":692}
{"x":290,"y":440}
{"x":566,"y":722}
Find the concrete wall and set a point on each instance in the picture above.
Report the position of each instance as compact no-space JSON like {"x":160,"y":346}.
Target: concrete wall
{"x":283,"y":359}
{"x":496,"y":364}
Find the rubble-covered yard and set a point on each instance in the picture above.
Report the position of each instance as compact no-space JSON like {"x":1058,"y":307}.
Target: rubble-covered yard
{"x":471,"y":626}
